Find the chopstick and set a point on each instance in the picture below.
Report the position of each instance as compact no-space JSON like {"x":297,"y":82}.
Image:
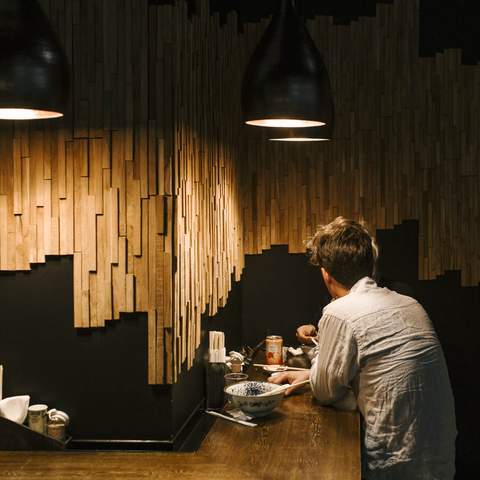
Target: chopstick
{"x":315,"y":341}
{"x":282,"y":369}
{"x":281,"y":388}
{"x":231,"y":419}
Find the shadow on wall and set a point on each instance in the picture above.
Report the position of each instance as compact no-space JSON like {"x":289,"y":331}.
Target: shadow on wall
{"x":281,"y":291}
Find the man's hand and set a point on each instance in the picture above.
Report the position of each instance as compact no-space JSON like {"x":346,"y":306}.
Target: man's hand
{"x":305,"y":333}
{"x":290,"y":377}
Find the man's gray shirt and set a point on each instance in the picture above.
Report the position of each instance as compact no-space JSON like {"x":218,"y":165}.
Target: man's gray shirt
{"x":380,"y":348}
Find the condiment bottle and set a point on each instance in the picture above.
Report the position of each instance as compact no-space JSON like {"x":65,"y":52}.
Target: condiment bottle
{"x":37,"y":418}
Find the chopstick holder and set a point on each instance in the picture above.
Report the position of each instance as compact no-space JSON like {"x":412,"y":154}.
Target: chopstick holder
{"x":216,"y":347}
{"x":216,"y":370}
{"x":217,"y":356}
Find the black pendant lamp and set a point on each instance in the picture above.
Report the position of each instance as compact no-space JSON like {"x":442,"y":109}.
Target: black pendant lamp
{"x":34,"y":79}
{"x":286,"y":83}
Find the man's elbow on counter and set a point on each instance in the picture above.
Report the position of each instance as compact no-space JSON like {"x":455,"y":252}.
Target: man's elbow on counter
{"x":322,"y":391}
{"x":341,"y":397}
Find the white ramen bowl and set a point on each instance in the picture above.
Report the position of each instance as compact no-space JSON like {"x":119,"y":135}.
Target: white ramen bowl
{"x":244,"y":395}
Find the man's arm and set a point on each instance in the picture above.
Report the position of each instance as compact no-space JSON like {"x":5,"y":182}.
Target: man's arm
{"x":335,"y":364}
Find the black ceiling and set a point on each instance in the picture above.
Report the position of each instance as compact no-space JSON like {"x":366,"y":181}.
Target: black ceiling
{"x":343,"y":11}
{"x":443,"y":23}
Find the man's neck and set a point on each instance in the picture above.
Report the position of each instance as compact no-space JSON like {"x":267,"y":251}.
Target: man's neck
{"x":339,"y":290}
{"x":336,"y":289}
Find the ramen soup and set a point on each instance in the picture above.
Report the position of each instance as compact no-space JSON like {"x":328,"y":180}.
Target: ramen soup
{"x":253,"y":389}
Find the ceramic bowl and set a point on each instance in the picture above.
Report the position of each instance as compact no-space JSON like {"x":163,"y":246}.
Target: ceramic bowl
{"x":15,"y":408}
{"x":244,"y":395}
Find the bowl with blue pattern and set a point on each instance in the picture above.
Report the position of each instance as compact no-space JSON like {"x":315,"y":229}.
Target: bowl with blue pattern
{"x":245,"y":396}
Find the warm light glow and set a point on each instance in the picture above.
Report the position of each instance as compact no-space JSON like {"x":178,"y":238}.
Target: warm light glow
{"x":26,"y":114}
{"x":299,"y":139}
{"x":284,"y":123}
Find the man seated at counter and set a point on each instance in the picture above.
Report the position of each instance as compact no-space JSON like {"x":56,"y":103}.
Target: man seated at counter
{"x":378,"y":350}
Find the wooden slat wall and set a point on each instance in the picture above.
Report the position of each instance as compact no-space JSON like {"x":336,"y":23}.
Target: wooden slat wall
{"x":97,"y":184}
{"x":208,"y":214}
{"x":407,"y":147}
{"x":157,"y":191}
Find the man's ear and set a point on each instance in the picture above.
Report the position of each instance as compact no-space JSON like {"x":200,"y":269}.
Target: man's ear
{"x":325,"y":275}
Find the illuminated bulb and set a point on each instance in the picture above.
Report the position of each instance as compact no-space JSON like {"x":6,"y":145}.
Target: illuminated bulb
{"x":284,"y":123}
{"x":26,"y":114}
{"x":299,"y":139}
{"x":309,"y":134}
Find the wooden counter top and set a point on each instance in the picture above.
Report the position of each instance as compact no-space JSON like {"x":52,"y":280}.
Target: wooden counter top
{"x":301,"y":440}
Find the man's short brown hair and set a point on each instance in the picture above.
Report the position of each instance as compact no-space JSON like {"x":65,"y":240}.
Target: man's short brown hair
{"x":345,"y":249}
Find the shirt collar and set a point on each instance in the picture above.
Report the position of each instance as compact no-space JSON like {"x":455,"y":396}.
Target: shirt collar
{"x":363,"y":284}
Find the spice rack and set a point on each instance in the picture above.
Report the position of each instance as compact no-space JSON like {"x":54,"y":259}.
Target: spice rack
{"x":14,"y":436}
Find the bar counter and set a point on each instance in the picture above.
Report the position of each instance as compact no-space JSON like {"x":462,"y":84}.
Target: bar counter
{"x":300,"y":440}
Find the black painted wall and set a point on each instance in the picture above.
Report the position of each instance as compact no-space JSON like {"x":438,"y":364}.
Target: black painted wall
{"x":97,"y":376}
{"x":280,"y":291}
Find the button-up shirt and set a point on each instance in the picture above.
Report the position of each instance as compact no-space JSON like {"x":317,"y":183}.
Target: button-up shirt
{"x":379,"y":348}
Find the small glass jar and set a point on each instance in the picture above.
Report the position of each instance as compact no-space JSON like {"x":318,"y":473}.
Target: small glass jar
{"x":232,"y":378}
{"x":236,"y":365}
{"x":37,"y":418}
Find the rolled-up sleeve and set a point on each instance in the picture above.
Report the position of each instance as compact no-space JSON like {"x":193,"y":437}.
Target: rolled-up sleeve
{"x":335,"y":364}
